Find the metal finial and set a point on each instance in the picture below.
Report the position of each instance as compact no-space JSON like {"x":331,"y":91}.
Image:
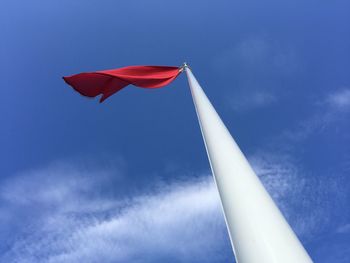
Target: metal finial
{"x":184,"y":65}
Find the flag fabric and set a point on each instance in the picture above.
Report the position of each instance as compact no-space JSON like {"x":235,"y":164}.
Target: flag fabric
{"x":108,"y":82}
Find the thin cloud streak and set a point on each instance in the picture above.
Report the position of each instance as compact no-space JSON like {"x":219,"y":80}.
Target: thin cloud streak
{"x":340,"y":99}
{"x":255,"y":63}
{"x":296,"y":194}
{"x":66,"y":221}
{"x":332,"y":108}
{"x":177,"y":221}
{"x":251,"y":101}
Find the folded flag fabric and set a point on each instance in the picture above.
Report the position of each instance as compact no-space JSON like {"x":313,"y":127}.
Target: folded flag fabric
{"x":108,"y":82}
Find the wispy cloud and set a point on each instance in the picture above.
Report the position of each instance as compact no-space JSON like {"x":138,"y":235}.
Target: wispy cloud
{"x":65,"y":224}
{"x":344,"y":228}
{"x":306,"y":201}
{"x":339,"y":100}
{"x":254,"y":100}
{"x":333,"y":108}
{"x":259,"y":55}
{"x":62,"y":214}
{"x":256,"y":63}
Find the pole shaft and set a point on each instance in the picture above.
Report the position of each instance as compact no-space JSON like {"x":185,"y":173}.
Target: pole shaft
{"x":258,"y":231}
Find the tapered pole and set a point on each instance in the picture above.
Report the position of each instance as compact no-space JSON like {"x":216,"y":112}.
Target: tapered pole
{"x":258,"y":231}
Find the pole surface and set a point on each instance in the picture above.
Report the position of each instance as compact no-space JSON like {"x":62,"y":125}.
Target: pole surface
{"x":258,"y":231}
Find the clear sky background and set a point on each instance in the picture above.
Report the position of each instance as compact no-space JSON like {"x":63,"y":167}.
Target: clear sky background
{"x":128,"y":180}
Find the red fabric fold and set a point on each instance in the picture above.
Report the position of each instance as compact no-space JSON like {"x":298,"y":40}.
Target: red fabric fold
{"x":108,"y":82}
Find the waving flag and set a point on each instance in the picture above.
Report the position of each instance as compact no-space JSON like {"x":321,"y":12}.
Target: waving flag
{"x":108,"y":82}
{"x":251,"y":218}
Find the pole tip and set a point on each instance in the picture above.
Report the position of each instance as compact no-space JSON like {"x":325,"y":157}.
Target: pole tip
{"x":183,"y":67}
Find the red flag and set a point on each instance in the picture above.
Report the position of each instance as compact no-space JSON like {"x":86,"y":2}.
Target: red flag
{"x":108,"y":82}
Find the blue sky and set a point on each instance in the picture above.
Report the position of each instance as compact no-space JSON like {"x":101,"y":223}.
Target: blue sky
{"x":128,"y":180}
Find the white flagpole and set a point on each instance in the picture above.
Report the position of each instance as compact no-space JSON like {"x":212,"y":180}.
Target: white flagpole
{"x":258,"y":231}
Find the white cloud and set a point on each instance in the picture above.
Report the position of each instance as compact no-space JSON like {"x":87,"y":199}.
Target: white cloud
{"x":340,"y":99}
{"x":256,"y":64}
{"x":180,"y":221}
{"x":344,"y":228}
{"x":58,"y":214}
{"x":310,"y":203}
{"x":332,"y":251}
{"x":330,"y":112}
{"x":250,"y":101}
{"x":287,"y":183}
{"x":259,"y":54}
